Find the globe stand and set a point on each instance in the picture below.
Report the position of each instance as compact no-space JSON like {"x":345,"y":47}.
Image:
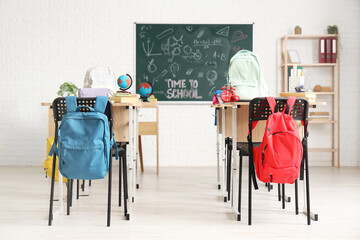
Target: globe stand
{"x":144,"y":99}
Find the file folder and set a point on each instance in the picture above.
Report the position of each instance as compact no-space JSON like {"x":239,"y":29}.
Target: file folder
{"x":334,"y":49}
{"x":328,"y":50}
{"x":322,"y":50}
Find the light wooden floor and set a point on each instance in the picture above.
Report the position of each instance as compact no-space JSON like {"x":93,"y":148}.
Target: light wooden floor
{"x":181,"y":203}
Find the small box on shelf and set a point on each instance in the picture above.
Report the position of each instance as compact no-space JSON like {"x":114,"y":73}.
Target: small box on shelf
{"x":311,"y":97}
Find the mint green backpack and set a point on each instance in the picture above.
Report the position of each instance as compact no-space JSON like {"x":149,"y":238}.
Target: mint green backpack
{"x":246,"y":76}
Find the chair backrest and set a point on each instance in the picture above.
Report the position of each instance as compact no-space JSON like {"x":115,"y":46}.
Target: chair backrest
{"x":59,"y":108}
{"x":259,"y":109}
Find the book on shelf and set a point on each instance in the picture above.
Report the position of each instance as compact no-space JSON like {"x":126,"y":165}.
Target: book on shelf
{"x":122,"y":94}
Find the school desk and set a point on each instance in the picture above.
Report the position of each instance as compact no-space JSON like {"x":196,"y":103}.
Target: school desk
{"x":229,"y":115}
{"x":126,"y":128}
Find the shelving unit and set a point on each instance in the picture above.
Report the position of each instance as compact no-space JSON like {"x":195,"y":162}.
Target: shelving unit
{"x":334,"y":119}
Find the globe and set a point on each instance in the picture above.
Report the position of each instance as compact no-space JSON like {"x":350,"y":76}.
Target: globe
{"x":145,"y":90}
{"x":124,"y":82}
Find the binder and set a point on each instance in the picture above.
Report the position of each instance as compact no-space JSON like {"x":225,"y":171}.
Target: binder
{"x":328,"y":50}
{"x":322,"y":50}
{"x":334,"y":49}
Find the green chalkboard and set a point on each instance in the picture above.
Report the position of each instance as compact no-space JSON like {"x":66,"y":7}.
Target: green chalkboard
{"x":188,"y":62}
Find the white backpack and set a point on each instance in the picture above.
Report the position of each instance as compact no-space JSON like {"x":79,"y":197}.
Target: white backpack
{"x":100,"y":77}
{"x":246,"y":76}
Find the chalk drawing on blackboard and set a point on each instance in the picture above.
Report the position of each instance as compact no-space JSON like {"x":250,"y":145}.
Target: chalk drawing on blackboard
{"x":222,"y":56}
{"x":199,"y":35}
{"x":142,"y":34}
{"x":189,"y":71}
{"x":151,"y":67}
{"x":211,"y":77}
{"x":161,"y":75}
{"x":224,"y":31}
{"x":143,"y":30}
{"x":145,"y":77}
{"x":174,"y":69}
{"x":238,"y":35}
{"x":208,"y":43}
{"x":189,"y":28}
{"x":148,"y":49}
{"x":236,"y":49}
{"x":165,"y":33}
{"x":190,"y":54}
{"x":173,"y":41}
{"x":211,"y":63}
{"x":200,"y":75}
{"x":211,"y":92}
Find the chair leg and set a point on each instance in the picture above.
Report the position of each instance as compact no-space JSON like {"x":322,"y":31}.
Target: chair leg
{"x":83,"y":186}
{"x":308,"y":212}
{"x":141,"y":155}
{"x":279,"y":192}
{"x":77,"y":188}
{"x":296,"y":198}
{"x":250,"y":197}
{"x":89,"y":183}
{"x":120,"y":163}
{"x":71,"y":191}
{"x":240,"y":183}
{"x":109,"y":193}
{"x":228,"y":179}
{"x":68,"y":197}
{"x":283,"y":196}
{"x":125,"y":184}
{"x":269,"y":187}
{"x":52,"y":190}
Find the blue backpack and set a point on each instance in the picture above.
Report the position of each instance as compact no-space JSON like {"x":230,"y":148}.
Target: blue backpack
{"x":84,"y":142}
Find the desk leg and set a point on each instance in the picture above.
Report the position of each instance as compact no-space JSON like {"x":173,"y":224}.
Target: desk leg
{"x":218,"y":147}
{"x":130,"y":162}
{"x":223,"y":156}
{"x":234,"y":164}
{"x":136,"y":147}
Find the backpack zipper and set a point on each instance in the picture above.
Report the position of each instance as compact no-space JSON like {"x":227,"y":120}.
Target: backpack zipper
{"x":262,"y":154}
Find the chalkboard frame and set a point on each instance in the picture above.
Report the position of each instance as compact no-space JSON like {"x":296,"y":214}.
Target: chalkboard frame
{"x":207,"y":99}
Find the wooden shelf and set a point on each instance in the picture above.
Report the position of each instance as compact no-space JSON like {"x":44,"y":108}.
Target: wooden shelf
{"x":311,"y":64}
{"x":334,"y":83}
{"x":309,"y":36}
{"x":322,"y":150}
{"x":324,"y":93}
{"x":317,"y":103}
{"x":317,"y":120}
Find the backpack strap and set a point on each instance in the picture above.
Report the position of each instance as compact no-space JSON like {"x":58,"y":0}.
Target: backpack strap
{"x":71,"y":103}
{"x":272,"y":103}
{"x":100,"y":104}
{"x":53,"y":150}
{"x":290,"y":102}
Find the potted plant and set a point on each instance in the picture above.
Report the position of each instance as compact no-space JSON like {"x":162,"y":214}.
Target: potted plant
{"x":332,"y":29}
{"x":297,"y":29}
{"x":67,"y":89}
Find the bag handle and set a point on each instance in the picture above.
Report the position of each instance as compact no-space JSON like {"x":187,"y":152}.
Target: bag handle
{"x":90,"y":108}
{"x":272,"y":103}
{"x":100,"y":104}
{"x":71,"y":103}
{"x":290,"y":102}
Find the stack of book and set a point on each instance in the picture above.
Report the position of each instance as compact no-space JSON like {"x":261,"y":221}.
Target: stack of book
{"x":327,"y":50}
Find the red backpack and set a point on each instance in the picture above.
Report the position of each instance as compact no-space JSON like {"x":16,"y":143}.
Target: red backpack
{"x":279,"y":156}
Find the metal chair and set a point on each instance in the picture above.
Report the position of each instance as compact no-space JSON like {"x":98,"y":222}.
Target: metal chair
{"x":59,"y":108}
{"x":259,"y":110}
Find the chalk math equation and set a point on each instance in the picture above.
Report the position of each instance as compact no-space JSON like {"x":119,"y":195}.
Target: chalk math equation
{"x":187,"y":62}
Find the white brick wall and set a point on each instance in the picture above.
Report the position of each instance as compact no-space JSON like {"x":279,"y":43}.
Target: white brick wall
{"x":44,"y":43}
